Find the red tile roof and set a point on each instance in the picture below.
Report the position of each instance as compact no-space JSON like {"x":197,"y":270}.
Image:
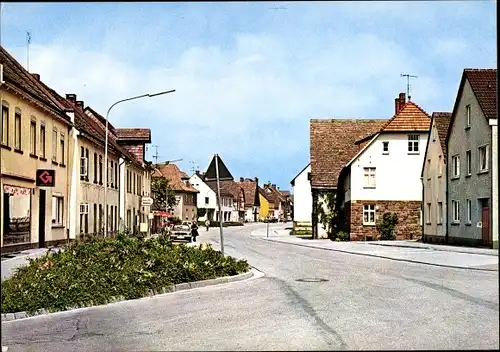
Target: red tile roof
{"x":332,"y":145}
{"x":227,"y":188}
{"x":250,"y":189}
{"x":266,"y":195}
{"x":411,"y":117}
{"x":135,"y":134}
{"x":174,"y":176}
{"x":484,"y":85}
{"x":442,"y":122}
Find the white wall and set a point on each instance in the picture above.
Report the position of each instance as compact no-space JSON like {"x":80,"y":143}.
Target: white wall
{"x":397,"y":173}
{"x":302,"y":197}
{"x":205,"y":191}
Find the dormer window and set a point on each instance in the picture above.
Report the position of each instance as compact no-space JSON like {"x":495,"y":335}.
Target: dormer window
{"x":385,"y":147}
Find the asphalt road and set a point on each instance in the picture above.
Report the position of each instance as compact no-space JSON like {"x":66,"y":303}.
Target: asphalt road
{"x":360,"y":303}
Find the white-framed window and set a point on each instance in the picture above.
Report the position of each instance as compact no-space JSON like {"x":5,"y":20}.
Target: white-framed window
{"x":468,"y":159}
{"x":469,"y":211}
{"x":83,"y":166}
{"x":42,"y":140}
{"x":33,"y":136}
{"x":385,"y":147}
{"x":413,"y":143}
{"x":5,"y":124}
{"x":428,"y":214}
{"x":467,"y":116}
{"x":54,"y":145}
{"x":483,"y":158}
{"x":57,"y":210}
{"x":455,"y":208}
{"x":84,"y":208}
{"x":17,"y":129}
{"x":369,"y":214}
{"x":63,"y":149}
{"x":369,"y":177}
{"x":440,"y":213}
{"x":440,"y":165}
{"x":455,"y":164}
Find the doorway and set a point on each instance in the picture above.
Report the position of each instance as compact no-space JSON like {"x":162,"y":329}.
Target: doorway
{"x":41,"y":218}
{"x":485,"y":220}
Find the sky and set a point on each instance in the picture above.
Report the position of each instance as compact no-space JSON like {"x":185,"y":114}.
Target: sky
{"x":249,"y":76}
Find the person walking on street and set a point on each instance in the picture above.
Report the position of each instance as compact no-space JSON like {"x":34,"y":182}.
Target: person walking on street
{"x":194,"y":231}
{"x":207,"y":224}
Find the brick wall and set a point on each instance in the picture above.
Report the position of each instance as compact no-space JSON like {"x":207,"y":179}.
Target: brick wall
{"x":407,"y":228}
{"x":136,"y":150}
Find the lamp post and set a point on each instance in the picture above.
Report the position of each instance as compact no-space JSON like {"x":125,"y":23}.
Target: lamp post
{"x":106,"y":151}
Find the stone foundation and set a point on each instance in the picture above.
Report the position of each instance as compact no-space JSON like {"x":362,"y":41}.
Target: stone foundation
{"x":408,"y":227}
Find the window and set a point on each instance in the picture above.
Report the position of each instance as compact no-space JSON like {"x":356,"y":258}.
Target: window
{"x":57,"y":210}
{"x":413,"y":140}
{"x":385,"y":147}
{"x":206,"y":200}
{"x":33,"y":137}
{"x":369,"y":214}
{"x":455,"y":164}
{"x":95,"y":167}
{"x":428,"y":169}
{"x":5,"y":125}
{"x":369,"y":177}
{"x":42,"y":141}
{"x":62,"y":150}
{"x":483,"y":158}
{"x":110,"y":174}
{"x":83,"y":164}
{"x":54,"y":145}
{"x":116,"y":175}
{"x":17,"y":130}
{"x":455,"y":206}
{"x":440,"y":213}
{"x":467,"y":112}
{"x":16,"y":209}
{"x":88,"y":163}
{"x":100,"y":227}
{"x":428,"y":215}
{"x":100,"y":169}
{"x":440,"y":166}
{"x":469,"y":211}
{"x":468,"y":156}
{"x":95,"y":218}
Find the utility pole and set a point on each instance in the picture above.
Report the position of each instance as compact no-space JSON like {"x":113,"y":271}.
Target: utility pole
{"x":408,"y":76}
{"x":218,"y":201}
{"x":193,"y":167}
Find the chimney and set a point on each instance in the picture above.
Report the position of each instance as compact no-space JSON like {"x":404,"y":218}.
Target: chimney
{"x":71,"y":97}
{"x":256,"y":179}
{"x":36,"y":76}
{"x":80,"y":104}
{"x":273,"y":185}
{"x":242,"y":179}
{"x":400,"y":102}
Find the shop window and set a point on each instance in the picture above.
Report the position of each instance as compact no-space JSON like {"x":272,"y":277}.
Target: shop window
{"x":16,"y":215}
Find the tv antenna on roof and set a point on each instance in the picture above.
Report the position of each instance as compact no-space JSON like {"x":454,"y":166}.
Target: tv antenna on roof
{"x":28,"y":42}
{"x":408,"y":76}
{"x":155,"y":156}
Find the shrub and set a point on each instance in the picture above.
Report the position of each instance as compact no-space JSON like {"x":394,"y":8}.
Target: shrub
{"x":387,"y":225}
{"x":102,"y":269}
{"x":225,"y":224}
{"x":340,"y":236}
{"x":301,"y":232}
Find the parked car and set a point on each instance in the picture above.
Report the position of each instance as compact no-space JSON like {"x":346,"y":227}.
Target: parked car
{"x":181,"y":232}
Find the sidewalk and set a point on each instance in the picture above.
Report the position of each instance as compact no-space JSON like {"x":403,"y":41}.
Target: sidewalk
{"x":408,"y":251}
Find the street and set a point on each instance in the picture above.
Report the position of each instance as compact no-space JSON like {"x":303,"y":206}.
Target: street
{"x":306,"y":299}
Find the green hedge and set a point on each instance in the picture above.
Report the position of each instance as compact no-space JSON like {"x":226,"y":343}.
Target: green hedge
{"x":301,"y":233}
{"x":225,"y":224}
{"x":103,"y":269}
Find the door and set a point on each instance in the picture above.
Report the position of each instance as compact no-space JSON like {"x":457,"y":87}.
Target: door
{"x":485,"y":219}
{"x":41,"y":218}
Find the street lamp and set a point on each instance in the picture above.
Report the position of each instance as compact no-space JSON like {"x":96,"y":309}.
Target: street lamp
{"x":106,"y":151}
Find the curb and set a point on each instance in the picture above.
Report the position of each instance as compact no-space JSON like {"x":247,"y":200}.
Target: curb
{"x":432,"y":249}
{"x":383,"y":257}
{"x":165,"y":290}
